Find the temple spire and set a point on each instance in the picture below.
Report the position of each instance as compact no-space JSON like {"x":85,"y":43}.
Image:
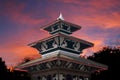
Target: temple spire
{"x":60,"y":17}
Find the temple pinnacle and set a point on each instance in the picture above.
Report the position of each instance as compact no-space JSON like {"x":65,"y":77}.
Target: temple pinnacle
{"x":60,"y":17}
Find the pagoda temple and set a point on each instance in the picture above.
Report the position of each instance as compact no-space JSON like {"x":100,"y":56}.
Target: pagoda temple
{"x":60,"y":52}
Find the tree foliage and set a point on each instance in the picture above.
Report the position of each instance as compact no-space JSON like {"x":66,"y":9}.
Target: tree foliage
{"x":3,"y":69}
{"x":109,"y":56}
{"x":26,"y":59}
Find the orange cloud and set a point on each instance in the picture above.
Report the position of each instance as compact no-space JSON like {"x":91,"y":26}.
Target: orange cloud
{"x":98,"y":44}
{"x":16,"y":53}
{"x":15,"y":49}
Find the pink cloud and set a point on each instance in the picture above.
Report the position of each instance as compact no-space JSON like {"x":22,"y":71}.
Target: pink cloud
{"x":104,"y":4}
{"x":92,"y":3}
{"x":108,"y":21}
{"x":103,"y":21}
{"x":15,"y":13}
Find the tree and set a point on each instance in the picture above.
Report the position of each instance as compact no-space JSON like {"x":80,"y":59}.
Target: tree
{"x":7,"y":74}
{"x":3,"y":70}
{"x":26,"y":59}
{"x":109,"y":56}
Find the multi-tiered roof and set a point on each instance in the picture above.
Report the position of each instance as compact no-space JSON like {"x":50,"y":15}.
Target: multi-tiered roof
{"x":61,"y":51}
{"x":60,"y":39}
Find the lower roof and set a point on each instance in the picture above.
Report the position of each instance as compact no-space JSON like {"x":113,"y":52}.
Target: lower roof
{"x":59,"y":54}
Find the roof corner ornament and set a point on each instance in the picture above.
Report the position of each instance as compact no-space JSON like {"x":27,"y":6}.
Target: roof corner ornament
{"x":60,"y":17}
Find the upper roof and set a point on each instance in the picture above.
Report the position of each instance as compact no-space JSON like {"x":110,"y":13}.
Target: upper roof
{"x":60,"y":25}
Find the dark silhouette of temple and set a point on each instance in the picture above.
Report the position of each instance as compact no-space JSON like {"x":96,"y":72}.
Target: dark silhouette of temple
{"x":61,"y":55}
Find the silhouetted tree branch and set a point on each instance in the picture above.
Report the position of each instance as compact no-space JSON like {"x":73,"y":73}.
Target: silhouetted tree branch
{"x":26,"y":59}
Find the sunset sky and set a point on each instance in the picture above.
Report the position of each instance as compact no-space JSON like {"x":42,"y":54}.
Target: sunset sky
{"x":21,"y":20}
